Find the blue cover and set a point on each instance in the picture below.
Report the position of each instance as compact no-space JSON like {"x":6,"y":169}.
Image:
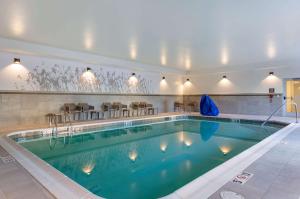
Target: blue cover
{"x":207,"y":129}
{"x":208,"y":107}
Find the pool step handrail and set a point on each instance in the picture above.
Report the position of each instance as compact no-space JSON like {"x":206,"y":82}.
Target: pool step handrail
{"x":70,"y":125}
{"x":284,"y":103}
{"x":296,"y":110}
{"x":55,"y":128}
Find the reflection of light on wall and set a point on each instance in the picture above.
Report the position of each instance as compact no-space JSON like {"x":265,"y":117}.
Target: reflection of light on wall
{"x":17,"y":67}
{"x":133,"y":155}
{"x":88,"y":40}
{"x":271,"y":49}
{"x":88,"y":168}
{"x":187,"y":62}
{"x":163,"y":83}
{"x":188,"y":83}
{"x":133,"y":80}
{"x":133,"y":50}
{"x":88,"y":76}
{"x":225,"y":82}
{"x":163,"y":60}
{"x":224,"y":56}
{"x":163,"y":56}
{"x":179,"y":86}
{"x":271,"y":80}
{"x":17,"y":25}
{"x":225,"y":149}
{"x":163,"y":147}
{"x":14,"y":71}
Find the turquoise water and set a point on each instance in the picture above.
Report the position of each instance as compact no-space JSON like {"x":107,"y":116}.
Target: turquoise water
{"x":147,"y":161}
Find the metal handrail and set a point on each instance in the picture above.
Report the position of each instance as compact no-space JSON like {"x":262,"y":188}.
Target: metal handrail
{"x":70,"y":125}
{"x":55,"y":128}
{"x":273,"y":113}
{"x":296,"y":111}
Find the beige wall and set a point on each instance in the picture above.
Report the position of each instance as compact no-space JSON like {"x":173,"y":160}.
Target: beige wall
{"x":17,"y":110}
{"x":251,"y":104}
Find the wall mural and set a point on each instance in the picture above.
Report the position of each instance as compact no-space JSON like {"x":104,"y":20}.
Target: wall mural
{"x":77,"y":79}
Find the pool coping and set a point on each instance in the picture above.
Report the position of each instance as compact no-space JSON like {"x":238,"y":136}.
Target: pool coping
{"x":62,"y":186}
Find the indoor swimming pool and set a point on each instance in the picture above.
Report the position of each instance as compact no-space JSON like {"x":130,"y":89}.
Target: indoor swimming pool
{"x":147,"y":160}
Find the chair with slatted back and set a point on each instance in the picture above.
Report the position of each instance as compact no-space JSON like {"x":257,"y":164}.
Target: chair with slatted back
{"x":134,"y":108}
{"x":107,"y":108}
{"x":142,"y":108}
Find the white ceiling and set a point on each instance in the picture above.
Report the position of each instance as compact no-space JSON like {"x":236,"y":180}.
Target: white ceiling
{"x":190,"y":35}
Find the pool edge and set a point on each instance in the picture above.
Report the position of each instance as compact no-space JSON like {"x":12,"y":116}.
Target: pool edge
{"x":67,"y":186}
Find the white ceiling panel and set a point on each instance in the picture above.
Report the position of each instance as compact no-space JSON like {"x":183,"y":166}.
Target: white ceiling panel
{"x":189,"y":35}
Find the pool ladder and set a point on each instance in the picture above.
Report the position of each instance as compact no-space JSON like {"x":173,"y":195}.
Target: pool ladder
{"x":70,"y":125}
{"x":284,"y":103}
{"x":54,"y":131}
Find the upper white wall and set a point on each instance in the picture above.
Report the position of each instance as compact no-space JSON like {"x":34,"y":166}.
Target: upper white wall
{"x":50,"y":69}
{"x":240,"y":82}
{"x":118,"y":71}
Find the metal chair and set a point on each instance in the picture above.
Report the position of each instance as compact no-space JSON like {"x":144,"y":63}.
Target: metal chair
{"x":135,"y":108}
{"x":71,"y":109}
{"x":117,"y":106}
{"x":190,"y":107}
{"x":150,"y":110}
{"x":126,"y":110}
{"x":107,"y":108}
{"x":178,"y":107}
{"x":142,"y":108}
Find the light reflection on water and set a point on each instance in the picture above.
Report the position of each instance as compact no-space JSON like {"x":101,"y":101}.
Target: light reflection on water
{"x":147,"y":161}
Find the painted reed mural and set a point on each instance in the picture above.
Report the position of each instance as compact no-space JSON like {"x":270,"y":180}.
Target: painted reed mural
{"x":63,"y":78}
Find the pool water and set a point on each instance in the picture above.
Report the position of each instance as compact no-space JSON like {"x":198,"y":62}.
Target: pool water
{"x":147,"y":161}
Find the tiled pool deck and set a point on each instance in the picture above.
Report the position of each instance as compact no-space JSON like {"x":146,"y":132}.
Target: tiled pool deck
{"x":276,"y":173}
{"x":16,"y":182}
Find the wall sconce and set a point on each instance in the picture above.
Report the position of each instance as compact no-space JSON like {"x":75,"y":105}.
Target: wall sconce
{"x":187,"y":80}
{"x":17,"y":60}
{"x":133,"y":74}
{"x":271,"y":73}
{"x":224,"y":77}
{"x":163,"y":78}
{"x":88,"y":69}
